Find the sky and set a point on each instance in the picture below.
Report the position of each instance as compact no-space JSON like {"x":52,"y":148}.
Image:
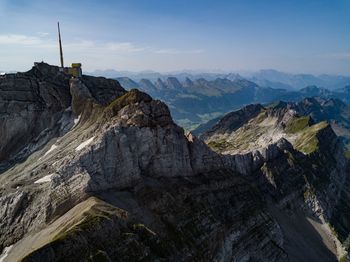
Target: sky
{"x":296,"y":36}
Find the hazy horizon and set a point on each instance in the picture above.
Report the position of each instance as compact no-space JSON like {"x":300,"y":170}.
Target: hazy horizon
{"x":168,"y":36}
{"x":243,"y":73}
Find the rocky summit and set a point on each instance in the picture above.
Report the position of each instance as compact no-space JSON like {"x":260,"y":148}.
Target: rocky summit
{"x":92,"y":172}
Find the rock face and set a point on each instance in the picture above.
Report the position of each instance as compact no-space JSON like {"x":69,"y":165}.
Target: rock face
{"x":122,"y":182}
{"x":34,"y":107}
{"x":310,"y":168}
{"x":29,"y":104}
{"x":177,"y":223}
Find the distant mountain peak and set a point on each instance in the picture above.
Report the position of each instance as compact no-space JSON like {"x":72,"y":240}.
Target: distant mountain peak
{"x":160,"y":84}
{"x":173,"y":83}
{"x":188,"y":82}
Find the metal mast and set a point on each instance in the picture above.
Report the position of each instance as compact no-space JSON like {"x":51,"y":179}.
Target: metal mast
{"x":60,"y":43}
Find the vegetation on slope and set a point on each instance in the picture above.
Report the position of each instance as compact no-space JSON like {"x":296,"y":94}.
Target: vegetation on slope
{"x":128,"y":98}
{"x":264,"y":129}
{"x":297,"y":124}
{"x":219,"y":145}
{"x":307,"y":141}
{"x":347,"y":154}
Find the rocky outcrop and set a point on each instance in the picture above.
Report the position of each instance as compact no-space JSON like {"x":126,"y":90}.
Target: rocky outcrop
{"x":310,"y":169}
{"x":103,"y":90}
{"x":234,"y":120}
{"x":35,"y":106}
{"x":31,"y":105}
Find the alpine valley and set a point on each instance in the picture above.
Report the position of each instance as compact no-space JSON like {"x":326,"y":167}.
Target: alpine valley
{"x":195,"y":99}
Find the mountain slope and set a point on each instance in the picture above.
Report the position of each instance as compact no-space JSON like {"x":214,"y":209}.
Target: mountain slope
{"x":124,"y":182}
{"x":305,"y":174}
{"x":240,"y":133}
{"x":319,"y":109}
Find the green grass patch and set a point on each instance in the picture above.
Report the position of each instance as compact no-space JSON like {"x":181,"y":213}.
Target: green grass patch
{"x":347,"y":154}
{"x":343,"y":258}
{"x":131,"y":97}
{"x":261,"y":117}
{"x":297,"y":124}
{"x":307,"y":141}
{"x":219,"y":145}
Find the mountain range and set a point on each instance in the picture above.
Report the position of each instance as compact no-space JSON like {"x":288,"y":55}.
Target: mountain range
{"x":90,"y":171}
{"x":265,"y":78}
{"x":194,"y":102}
{"x":277,"y":79}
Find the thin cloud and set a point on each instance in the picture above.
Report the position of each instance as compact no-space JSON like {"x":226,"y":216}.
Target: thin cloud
{"x":93,"y":54}
{"x":345,"y":55}
{"x":173,"y":51}
{"x":43,"y":34}
{"x":13,"y":39}
{"x":124,"y":47}
{"x":42,"y":42}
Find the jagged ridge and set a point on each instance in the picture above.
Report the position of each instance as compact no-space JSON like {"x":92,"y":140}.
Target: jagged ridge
{"x":178,"y":194}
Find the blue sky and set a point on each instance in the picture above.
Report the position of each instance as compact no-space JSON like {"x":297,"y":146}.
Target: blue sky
{"x":168,"y":35}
